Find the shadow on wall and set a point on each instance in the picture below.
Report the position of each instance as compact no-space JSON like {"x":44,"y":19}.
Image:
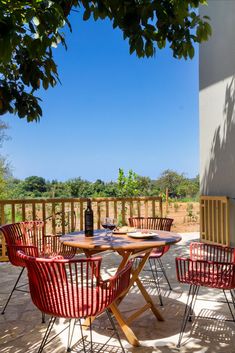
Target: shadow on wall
{"x":222,"y":154}
{"x":217,"y":55}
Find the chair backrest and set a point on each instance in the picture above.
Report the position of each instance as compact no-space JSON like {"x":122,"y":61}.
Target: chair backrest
{"x":209,"y":265}
{"x":21,"y":234}
{"x":211,"y":252}
{"x":158,"y":223}
{"x":71,"y":288}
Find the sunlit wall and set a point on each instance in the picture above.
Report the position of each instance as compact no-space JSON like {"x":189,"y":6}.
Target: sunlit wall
{"x":217,"y":100}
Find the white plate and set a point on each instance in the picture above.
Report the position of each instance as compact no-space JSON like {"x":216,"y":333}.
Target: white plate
{"x":140,"y":235}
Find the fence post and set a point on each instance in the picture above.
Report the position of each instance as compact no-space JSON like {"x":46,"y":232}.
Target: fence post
{"x":167,"y":197}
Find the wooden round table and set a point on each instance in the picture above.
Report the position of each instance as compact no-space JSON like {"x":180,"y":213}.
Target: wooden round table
{"x":128,"y":248}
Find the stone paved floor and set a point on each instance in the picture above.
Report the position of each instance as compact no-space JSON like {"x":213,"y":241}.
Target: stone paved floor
{"x":21,"y":329}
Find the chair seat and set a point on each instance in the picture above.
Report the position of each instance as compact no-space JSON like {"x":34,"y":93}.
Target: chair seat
{"x":156,"y":253}
{"x":85,"y":302}
{"x":209,"y":278}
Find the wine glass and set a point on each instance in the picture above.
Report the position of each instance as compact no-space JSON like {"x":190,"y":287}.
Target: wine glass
{"x":109,"y":223}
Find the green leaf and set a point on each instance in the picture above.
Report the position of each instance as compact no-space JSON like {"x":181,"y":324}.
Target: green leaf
{"x":191,"y":51}
{"x":86,"y":15}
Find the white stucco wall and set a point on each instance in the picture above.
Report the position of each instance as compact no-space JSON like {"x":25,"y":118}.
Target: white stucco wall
{"x":217,"y":105}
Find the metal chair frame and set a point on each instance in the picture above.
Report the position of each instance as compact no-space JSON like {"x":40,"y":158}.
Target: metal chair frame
{"x":71,"y":328}
{"x":155,"y":263}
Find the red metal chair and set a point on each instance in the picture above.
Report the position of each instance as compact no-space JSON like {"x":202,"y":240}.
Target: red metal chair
{"x":29,"y":237}
{"x":73,"y":289}
{"x":210,"y":266}
{"x":157,"y":223}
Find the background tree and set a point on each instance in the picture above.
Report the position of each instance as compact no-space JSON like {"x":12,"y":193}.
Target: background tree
{"x":57,"y":188}
{"x":5,"y":170}
{"x":30,"y":29}
{"x":14,"y":189}
{"x":144,"y":185}
{"x":34,"y":186}
{"x":171,"y":180}
{"x":98,"y":188}
{"x":128,"y":185}
{"x":5,"y":174}
{"x":78,"y":187}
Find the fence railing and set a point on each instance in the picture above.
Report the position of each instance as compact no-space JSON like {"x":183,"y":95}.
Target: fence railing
{"x":214,"y":219}
{"x":62,"y":216}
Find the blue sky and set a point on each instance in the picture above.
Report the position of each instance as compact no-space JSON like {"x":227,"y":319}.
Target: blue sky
{"x":112,"y":111}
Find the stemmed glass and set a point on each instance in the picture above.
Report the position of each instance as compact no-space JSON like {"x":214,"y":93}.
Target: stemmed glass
{"x":109,"y":223}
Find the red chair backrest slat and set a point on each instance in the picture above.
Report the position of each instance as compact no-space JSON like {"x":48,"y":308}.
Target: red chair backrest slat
{"x":22,"y":234}
{"x":157,"y":223}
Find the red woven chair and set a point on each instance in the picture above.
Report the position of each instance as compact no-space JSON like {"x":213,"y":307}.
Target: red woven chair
{"x":29,"y":237}
{"x":210,"y":266}
{"x":73,"y":289}
{"x":157,"y":223}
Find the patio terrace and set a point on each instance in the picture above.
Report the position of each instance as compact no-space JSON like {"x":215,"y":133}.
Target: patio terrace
{"x":21,"y":329}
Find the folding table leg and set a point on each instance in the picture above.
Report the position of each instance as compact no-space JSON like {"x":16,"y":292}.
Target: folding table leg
{"x":149,"y":300}
{"x":131,"y":337}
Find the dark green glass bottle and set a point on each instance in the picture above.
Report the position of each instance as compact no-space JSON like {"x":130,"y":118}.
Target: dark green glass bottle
{"x":89,"y":224}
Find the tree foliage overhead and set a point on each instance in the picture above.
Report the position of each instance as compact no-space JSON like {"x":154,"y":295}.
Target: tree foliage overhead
{"x":30,"y":29}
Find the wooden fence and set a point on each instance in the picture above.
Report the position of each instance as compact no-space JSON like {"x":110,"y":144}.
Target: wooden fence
{"x":66,"y":215}
{"x":214,"y":222}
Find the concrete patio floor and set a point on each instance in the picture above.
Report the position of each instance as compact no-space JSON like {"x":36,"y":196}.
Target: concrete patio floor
{"x":21,"y":329}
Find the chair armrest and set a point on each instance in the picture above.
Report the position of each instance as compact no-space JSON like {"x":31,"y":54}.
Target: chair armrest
{"x":117,"y":284}
{"x":14,"y":258}
{"x":30,"y":250}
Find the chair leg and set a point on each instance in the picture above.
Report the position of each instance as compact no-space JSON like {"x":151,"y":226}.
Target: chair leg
{"x":47,"y":333}
{"x":136,"y":263}
{"x":72,"y":323}
{"x":83,"y":339}
{"x":227,"y":301}
{"x":188,"y":310}
{"x":193,"y":302}
{"x":164,"y":273}
{"x":232,"y":292}
{"x":14,"y":288}
{"x":115,"y":329}
{"x":43,"y":318}
{"x":156,"y":280}
{"x":91,"y":342}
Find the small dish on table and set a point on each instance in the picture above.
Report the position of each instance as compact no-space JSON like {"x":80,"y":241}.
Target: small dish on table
{"x":142,"y":235}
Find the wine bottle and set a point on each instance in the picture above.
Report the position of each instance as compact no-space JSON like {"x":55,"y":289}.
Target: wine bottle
{"x":88,"y":220}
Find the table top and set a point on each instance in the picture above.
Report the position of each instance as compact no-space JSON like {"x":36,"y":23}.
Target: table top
{"x":99,"y":241}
